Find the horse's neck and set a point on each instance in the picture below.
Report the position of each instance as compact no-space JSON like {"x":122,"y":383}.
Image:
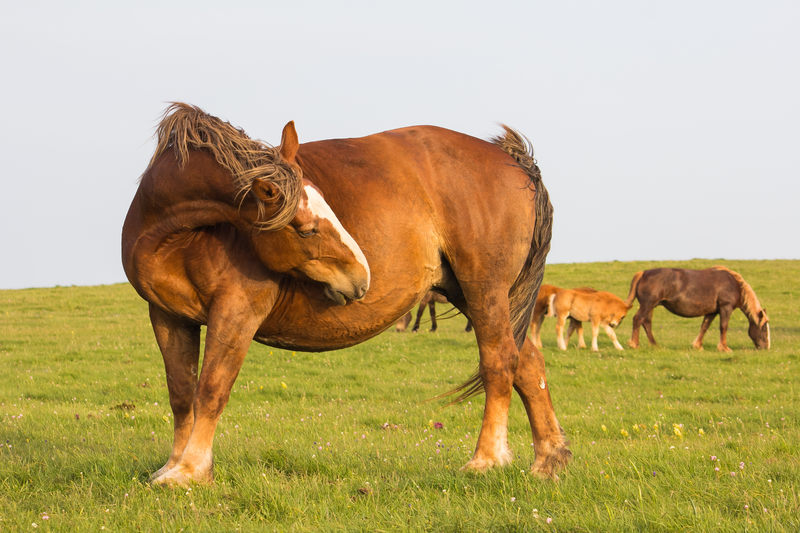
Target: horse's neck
{"x":751,"y":309}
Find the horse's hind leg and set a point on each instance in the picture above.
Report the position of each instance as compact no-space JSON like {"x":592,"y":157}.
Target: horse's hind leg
{"x":403,"y":323}
{"x":647,"y":324}
{"x":548,"y":438}
{"x":724,"y":316}
{"x":698,"y":341}
{"x":642,"y":318}
{"x":420,"y":311}
{"x":577,"y":326}
{"x":229,"y":333}
{"x":638,"y":320}
{"x":432,"y":312}
{"x":595,"y":333}
{"x":179,"y":343}
{"x":498,"y":363}
{"x":560,"y":321}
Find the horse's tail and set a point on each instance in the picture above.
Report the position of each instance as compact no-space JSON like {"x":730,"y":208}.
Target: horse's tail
{"x":632,"y":293}
{"x":523,"y":292}
{"x":551,"y":310}
{"x":522,"y":295}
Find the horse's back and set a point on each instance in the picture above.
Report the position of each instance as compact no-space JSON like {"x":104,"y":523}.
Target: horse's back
{"x":689,"y":292}
{"x":429,"y":207}
{"x":450,"y":189}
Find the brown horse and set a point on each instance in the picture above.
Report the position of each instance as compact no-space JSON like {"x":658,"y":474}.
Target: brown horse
{"x":690,"y":293}
{"x":598,"y":307}
{"x":228,"y":232}
{"x":543,"y":308}
{"x":430,"y":300}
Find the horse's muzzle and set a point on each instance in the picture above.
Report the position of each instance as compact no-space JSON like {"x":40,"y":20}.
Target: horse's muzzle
{"x":342,"y":298}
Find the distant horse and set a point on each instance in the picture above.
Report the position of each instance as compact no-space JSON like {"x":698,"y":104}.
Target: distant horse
{"x":323,"y":245}
{"x":543,"y":308}
{"x":601,"y":308}
{"x":430,"y":300}
{"x":690,"y":293}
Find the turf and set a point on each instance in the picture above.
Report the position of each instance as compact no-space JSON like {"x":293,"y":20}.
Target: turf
{"x":665,"y":438}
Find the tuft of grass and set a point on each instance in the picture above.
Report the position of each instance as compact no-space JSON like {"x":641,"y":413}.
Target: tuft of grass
{"x":664,"y":438}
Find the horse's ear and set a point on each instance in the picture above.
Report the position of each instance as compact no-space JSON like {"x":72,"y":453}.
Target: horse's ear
{"x":266,"y":191}
{"x":762,"y":317}
{"x":289,"y":142}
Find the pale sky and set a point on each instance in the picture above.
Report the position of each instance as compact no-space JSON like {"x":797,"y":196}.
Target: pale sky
{"x":664,"y":130}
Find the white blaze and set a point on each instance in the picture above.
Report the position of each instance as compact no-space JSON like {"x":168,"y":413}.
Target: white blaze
{"x":321,"y":209}
{"x":769,"y":340}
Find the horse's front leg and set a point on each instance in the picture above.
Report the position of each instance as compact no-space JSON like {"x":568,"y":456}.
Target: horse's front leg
{"x":548,"y":438}
{"x":498,"y":364}
{"x":595,"y":334}
{"x":179,"y":343}
{"x":230,"y":330}
{"x":724,"y":316}
{"x":613,"y":336}
{"x":698,"y":342}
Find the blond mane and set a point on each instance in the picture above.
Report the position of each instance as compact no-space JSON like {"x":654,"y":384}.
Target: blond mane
{"x":750,"y":304}
{"x":184,"y":126}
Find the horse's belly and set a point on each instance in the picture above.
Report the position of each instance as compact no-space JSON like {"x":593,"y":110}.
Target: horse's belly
{"x":332,"y":330}
{"x":690,"y":309}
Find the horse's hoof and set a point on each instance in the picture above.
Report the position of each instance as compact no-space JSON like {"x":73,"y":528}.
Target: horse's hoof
{"x":482,"y":463}
{"x":547,"y":467}
{"x":161,"y":471}
{"x":179,"y":477}
{"x":633,"y":344}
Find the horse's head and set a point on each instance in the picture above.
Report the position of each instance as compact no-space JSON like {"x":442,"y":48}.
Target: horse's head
{"x":617,"y":317}
{"x":616,"y":311}
{"x":314,"y":244}
{"x":759,"y":330}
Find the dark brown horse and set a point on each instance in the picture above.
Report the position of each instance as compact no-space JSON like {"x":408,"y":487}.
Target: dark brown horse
{"x":428,"y":301}
{"x":689,"y":293}
{"x":228,"y":232}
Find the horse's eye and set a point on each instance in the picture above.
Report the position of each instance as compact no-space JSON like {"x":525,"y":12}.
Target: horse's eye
{"x":306,"y":232}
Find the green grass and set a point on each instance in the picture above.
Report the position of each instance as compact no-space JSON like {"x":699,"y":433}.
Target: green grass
{"x":84,"y":419}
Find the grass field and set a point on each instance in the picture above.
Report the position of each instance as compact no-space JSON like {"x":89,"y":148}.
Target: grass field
{"x":663,"y":438}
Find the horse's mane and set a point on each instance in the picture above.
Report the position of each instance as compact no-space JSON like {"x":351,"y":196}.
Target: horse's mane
{"x":750,"y":304}
{"x":184,"y":126}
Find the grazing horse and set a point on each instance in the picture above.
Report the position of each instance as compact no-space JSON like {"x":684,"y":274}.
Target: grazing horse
{"x":544,"y":308}
{"x":430,"y":300}
{"x":598,"y":307}
{"x":323,"y":245}
{"x":690,"y":293}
